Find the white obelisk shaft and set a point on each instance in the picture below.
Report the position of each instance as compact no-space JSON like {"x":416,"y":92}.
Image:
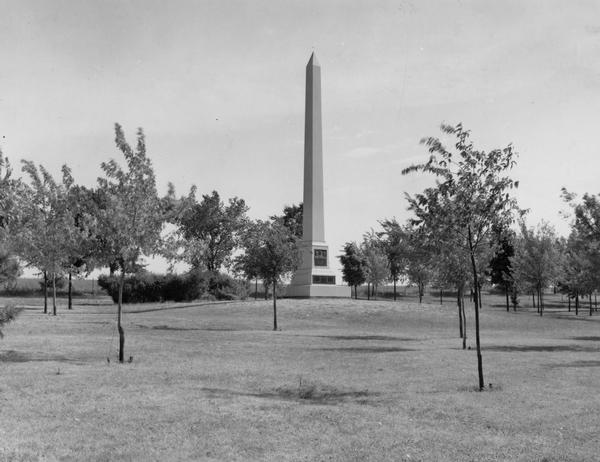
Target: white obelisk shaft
{"x":313,"y":228}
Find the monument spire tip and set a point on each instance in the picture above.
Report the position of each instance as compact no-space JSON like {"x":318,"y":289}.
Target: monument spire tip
{"x":313,"y":60}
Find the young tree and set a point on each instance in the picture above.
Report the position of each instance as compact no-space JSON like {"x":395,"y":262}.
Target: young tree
{"x":129,"y":214}
{"x":453,"y":269}
{"x":579,"y":269}
{"x":583,"y":247}
{"x":272,"y":250}
{"x":213,"y":229}
{"x":354,"y":266}
{"x":394,"y":244}
{"x":7,"y":314}
{"x":376,"y":262}
{"x":10,"y":195}
{"x":537,"y":259}
{"x":47,"y":226}
{"x":469,"y":199}
{"x":419,"y":253}
{"x":500,"y":266}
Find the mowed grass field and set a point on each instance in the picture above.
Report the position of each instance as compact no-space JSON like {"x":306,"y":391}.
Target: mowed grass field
{"x":343,"y":380}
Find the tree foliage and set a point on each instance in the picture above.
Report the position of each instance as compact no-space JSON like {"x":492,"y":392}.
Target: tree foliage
{"x":375,"y":259}
{"x":395,"y":246}
{"x":292,"y":218}
{"x":537,"y":260}
{"x":354,"y":266}
{"x":211,"y":230}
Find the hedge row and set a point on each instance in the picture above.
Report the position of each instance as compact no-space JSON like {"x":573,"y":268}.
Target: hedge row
{"x":149,"y":287}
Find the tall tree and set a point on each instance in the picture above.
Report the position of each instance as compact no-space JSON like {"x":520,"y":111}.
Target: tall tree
{"x":354,"y":266}
{"x":272,"y":250}
{"x":129,"y":216}
{"x":471,"y":197}
{"x":213,"y":229}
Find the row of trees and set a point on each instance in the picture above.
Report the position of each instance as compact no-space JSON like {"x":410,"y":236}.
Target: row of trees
{"x":62,"y":228}
{"x":462,"y":235}
{"x":453,"y":233}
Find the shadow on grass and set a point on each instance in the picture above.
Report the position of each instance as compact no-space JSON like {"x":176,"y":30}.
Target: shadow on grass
{"x":367,"y":349}
{"x":364,"y":337}
{"x":591,"y":339}
{"x":305,"y":392}
{"x":540,"y":348}
{"x":12,"y":356}
{"x":207,"y":329}
{"x":594,"y":363}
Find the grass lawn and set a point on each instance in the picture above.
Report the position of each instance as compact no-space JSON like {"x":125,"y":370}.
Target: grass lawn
{"x":343,"y":380}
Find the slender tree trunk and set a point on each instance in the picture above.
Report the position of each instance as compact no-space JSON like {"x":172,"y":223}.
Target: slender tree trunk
{"x":506,"y":293}
{"x":595,"y":303}
{"x":577,"y":304}
{"x":395,"y":281}
{"x":476,"y":286}
{"x":368,"y":291}
{"x":569,"y":298}
{"x":464,"y":319}
{"x":255,"y":288}
{"x":421,"y":290}
{"x":274,"y":305}
{"x":590,"y":304}
{"x":441,"y":297}
{"x":45,"y":292}
{"x":54,"y":294}
{"x":460,"y":320}
{"x":355,"y":291}
{"x":540,"y":300}
{"x":119,"y":326}
{"x":479,"y":295}
{"x":70,"y":292}
{"x":533,"y":296}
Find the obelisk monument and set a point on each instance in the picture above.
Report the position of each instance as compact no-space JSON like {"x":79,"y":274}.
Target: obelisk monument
{"x":314,"y":277}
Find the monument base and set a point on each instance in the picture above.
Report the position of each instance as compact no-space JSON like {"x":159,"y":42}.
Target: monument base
{"x":317,"y":291}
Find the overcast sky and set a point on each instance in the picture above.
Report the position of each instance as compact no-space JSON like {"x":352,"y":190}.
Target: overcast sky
{"x":219,"y":89}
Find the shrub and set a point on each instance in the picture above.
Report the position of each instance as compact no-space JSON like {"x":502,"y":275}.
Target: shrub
{"x":147,"y":287}
{"x":7,"y":314}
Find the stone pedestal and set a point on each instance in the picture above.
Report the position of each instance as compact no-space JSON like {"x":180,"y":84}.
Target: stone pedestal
{"x":314,"y":278}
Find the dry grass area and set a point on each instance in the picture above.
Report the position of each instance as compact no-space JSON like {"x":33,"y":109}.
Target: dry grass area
{"x":344,"y":380}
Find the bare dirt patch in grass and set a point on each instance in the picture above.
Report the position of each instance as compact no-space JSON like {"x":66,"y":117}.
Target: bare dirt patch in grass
{"x":308,"y":392}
